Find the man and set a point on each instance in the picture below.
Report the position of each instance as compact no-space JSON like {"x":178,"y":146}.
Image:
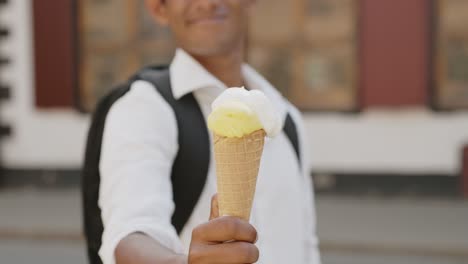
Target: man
{"x":140,"y":143}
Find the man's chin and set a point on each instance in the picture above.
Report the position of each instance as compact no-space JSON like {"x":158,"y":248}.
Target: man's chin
{"x":210,"y":49}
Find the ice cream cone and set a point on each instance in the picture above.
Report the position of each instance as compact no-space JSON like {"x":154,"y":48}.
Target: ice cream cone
{"x":237,"y":164}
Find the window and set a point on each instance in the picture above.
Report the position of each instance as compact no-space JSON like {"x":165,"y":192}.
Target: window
{"x":451,"y":55}
{"x":117,"y":37}
{"x":309,"y":54}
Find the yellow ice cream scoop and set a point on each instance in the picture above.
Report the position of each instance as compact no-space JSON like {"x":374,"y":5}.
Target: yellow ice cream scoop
{"x":233,"y":119}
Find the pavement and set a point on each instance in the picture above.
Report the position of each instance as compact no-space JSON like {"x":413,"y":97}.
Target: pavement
{"x":38,"y":226}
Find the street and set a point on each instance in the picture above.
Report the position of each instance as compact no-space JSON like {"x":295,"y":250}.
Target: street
{"x":45,"y":227}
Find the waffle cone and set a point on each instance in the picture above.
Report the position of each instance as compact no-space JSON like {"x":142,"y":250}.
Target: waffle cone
{"x":237,"y":164}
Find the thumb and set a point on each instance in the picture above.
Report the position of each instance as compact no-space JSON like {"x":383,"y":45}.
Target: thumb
{"x":214,"y":212}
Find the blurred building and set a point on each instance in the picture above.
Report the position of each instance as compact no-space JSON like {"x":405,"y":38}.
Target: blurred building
{"x":383,"y":83}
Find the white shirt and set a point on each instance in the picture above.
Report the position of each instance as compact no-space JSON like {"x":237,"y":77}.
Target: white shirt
{"x":138,"y":149}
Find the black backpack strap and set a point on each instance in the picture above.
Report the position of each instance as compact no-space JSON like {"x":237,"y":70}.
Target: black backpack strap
{"x":190,"y":168}
{"x":291,"y":132}
{"x":90,"y":179}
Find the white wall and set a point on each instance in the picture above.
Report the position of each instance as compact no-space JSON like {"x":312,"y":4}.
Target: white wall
{"x":404,"y":141}
{"x":40,"y":139}
{"x":408,"y":141}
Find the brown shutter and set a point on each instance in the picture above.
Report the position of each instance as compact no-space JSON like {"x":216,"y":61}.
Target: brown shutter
{"x":395,"y":52}
{"x":54,"y":52}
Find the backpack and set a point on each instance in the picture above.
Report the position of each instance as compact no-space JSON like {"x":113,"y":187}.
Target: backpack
{"x":192,"y":158}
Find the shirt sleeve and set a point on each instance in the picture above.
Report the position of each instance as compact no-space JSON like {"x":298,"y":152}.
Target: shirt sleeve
{"x":311,"y":241}
{"x":138,"y":148}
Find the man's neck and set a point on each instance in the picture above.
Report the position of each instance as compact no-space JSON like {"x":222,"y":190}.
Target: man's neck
{"x":227,"y":68}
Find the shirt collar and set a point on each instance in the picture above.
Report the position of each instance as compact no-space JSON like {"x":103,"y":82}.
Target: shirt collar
{"x":188,"y":75}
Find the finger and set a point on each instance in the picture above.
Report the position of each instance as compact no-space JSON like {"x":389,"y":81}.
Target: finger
{"x":232,"y":253}
{"x":214,"y":212}
{"x":225,"y":228}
